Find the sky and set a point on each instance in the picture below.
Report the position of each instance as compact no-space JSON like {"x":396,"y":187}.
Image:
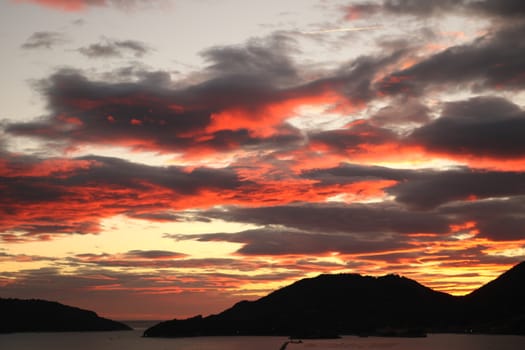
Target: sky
{"x":166,"y":158}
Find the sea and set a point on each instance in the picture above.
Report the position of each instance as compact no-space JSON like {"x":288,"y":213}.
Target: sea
{"x":132,"y":340}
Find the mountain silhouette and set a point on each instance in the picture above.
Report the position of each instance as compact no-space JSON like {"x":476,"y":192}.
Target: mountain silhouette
{"x":329,"y":305}
{"x":498,"y":306}
{"x":34,"y":315}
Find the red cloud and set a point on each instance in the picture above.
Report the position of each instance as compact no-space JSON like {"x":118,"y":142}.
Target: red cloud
{"x":66,"y":5}
{"x":49,"y":167}
{"x":263,"y":119}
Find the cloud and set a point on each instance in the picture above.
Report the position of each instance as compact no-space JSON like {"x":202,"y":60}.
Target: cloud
{"x":66,"y":5}
{"x":492,"y":200}
{"x":501,"y":8}
{"x":44,"y":40}
{"x":401,"y":7}
{"x":347,"y":172}
{"x":360,"y":220}
{"x":425,"y":9}
{"x":275,"y":241}
{"x":42,"y":198}
{"x":241,"y":101}
{"x":40,"y":201}
{"x":266,"y":59}
{"x":81,"y":5}
{"x":155,"y":254}
{"x":438,"y":188}
{"x":406,"y":110}
{"x":115,"y":48}
{"x":491,"y":61}
{"x":481,"y":126}
{"x":498,"y":219}
{"x":355,"y":138}
{"x":426,"y":189}
{"x":217,"y":115}
{"x":112,"y":292}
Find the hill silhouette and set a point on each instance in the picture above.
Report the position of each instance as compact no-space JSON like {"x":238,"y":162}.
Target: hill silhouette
{"x":498,"y":306}
{"x":328,"y":305}
{"x":34,"y":315}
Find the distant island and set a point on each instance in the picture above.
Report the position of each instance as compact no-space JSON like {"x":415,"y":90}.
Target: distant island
{"x":34,"y":315}
{"x":351,"y":304}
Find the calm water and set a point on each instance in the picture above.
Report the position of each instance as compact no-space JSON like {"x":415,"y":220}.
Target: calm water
{"x":133,"y":341}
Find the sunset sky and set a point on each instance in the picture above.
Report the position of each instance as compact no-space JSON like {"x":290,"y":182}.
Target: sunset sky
{"x":168,"y":158}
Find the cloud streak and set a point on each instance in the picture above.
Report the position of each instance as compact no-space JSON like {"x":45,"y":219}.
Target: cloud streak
{"x":82,"y":5}
{"x":114,"y":48}
{"x":342,"y":30}
{"x":44,"y":40}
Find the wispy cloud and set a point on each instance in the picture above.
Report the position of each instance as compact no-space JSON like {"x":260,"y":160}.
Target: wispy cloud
{"x":44,"y":40}
{"x":344,"y":29}
{"x":82,"y":5}
{"x":115,"y":48}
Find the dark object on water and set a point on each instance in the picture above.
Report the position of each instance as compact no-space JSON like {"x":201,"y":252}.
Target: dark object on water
{"x":285,"y":344}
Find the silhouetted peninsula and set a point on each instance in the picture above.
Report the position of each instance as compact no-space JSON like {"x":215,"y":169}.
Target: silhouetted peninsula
{"x":362,"y":305}
{"x":45,"y":316}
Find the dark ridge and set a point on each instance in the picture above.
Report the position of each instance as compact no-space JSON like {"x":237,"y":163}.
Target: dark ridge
{"x":330,"y":305}
{"x":498,"y":307}
{"x":46,"y":316}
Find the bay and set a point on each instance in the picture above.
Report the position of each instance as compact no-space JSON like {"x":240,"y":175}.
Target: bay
{"x":132,"y":340}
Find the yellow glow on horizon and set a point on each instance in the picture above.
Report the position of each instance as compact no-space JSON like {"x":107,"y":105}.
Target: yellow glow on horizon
{"x":121,"y":234}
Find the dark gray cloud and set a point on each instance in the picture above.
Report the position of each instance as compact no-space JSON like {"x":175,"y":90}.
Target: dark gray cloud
{"x":402,"y":111}
{"x":267,"y":58}
{"x":502,"y":8}
{"x":481,"y":126}
{"x":491,"y":61}
{"x":115,"y":48}
{"x":383,"y":232}
{"x":493,"y":200}
{"x":426,"y":189}
{"x":439,"y":188}
{"x":161,"y":215}
{"x":155,"y":254}
{"x":115,"y":171}
{"x":276,"y":241}
{"x":501,"y":219}
{"x":120,"y":172}
{"x":350,"y":139}
{"x":367,"y":221}
{"x":348,"y":173}
{"x":44,"y":40}
{"x":489,"y":8}
{"x":354,"y":78}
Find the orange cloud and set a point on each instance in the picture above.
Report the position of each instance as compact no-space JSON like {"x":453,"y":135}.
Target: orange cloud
{"x":262,"y":120}
{"x":59,"y":167}
{"x":66,"y":5}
